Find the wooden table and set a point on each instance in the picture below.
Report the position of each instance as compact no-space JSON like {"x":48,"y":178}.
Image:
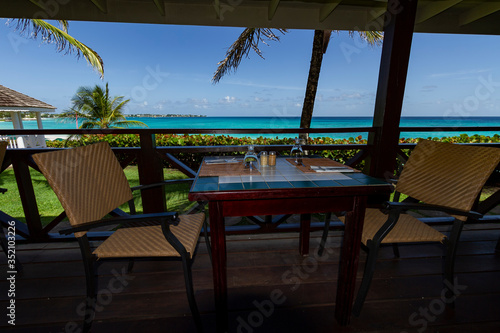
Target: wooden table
{"x":285,"y":189}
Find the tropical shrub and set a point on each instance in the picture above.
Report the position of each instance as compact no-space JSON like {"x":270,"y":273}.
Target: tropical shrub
{"x":193,"y":160}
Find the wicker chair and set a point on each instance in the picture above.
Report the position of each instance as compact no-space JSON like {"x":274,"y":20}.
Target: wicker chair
{"x":439,"y":177}
{"x":90,"y":183}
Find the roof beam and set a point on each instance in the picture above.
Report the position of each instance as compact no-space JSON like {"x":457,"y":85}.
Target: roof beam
{"x":38,"y":4}
{"x":102,"y":5}
{"x":160,"y":4}
{"x":273,"y":6}
{"x":434,"y":8}
{"x":479,"y":12}
{"x":327,"y":9}
{"x":378,"y":20}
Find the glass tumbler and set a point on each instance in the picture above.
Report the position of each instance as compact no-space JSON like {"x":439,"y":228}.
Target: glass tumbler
{"x":250,"y":158}
{"x":297,"y":153}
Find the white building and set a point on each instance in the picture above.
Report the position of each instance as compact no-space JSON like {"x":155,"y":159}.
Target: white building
{"x":17,"y":103}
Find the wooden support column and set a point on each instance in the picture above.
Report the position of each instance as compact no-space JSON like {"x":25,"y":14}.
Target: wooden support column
{"x":398,"y":33}
{"x":28,"y":198}
{"x":150,"y":172}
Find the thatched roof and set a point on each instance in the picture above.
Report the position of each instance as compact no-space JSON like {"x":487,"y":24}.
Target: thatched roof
{"x":11,"y":100}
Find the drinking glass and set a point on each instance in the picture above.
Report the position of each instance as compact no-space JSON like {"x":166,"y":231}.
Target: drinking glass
{"x":250,"y":157}
{"x":297,"y":153}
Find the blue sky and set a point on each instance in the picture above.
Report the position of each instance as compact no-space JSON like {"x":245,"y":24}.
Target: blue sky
{"x":168,"y":69}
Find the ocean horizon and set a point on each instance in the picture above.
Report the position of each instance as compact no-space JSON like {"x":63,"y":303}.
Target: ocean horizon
{"x":237,"y":122}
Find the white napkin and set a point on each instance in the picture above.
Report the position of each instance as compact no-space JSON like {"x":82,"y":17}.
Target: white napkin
{"x":221,"y":161}
{"x":330,"y":169}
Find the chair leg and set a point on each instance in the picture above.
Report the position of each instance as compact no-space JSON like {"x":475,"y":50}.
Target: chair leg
{"x":449,"y":262}
{"x":91,"y":281}
{"x":324,"y":236}
{"x":367,"y":278}
{"x":188,"y":279}
{"x":207,"y":240}
{"x":90,"y":300}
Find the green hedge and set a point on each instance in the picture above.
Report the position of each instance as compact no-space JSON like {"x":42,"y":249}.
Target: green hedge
{"x":194,"y":159}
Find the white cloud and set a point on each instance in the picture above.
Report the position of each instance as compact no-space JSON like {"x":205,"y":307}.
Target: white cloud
{"x":428,"y":88}
{"x":251,"y":84}
{"x":461,"y":73}
{"x":227,"y":100}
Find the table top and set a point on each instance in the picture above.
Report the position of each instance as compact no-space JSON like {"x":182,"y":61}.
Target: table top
{"x":283,"y":176}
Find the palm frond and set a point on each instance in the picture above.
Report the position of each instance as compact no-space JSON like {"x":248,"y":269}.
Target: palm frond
{"x":90,"y":125}
{"x":248,"y":40}
{"x":34,"y":28}
{"x":64,"y":25}
{"x":373,"y":38}
{"x":129,"y":123}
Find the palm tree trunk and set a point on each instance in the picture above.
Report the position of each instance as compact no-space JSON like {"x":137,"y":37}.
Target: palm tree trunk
{"x":312,"y":81}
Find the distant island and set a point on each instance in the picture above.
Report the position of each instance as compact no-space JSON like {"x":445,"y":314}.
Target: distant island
{"x":31,"y":115}
{"x":149,"y":115}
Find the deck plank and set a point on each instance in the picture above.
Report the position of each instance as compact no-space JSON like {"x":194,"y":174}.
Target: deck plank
{"x":52,"y":286}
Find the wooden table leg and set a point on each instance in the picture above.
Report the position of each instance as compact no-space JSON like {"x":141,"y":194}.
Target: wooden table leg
{"x":305,"y":226}
{"x":219,"y":259}
{"x":349,"y":258}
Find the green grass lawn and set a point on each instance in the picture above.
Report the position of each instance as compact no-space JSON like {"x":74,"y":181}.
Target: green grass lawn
{"x":49,"y":206}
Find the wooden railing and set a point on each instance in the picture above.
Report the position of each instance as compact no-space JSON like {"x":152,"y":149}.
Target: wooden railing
{"x":150,"y":161}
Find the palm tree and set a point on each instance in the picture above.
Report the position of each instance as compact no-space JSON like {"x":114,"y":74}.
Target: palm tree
{"x":33,"y":28}
{"x":99,"y":109}
{"x":320,"y":44}
{"x":250,"y":38}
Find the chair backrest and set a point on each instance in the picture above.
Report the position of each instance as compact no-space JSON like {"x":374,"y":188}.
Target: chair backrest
{"x":446,"y":174}
{"x":3,"y":149}
{"x":88,"y":181}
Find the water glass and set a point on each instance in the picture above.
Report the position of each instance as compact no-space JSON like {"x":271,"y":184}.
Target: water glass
{"x":250,"y":157}
{"x":297,"y":153}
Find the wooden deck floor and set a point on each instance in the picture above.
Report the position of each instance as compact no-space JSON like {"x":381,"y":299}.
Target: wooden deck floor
{"x":405,"y":295}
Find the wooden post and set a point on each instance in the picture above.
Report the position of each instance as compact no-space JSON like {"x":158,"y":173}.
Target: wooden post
{"x":28,"y":199}
{"x":150,"y":172}
{"x":398,"y":33}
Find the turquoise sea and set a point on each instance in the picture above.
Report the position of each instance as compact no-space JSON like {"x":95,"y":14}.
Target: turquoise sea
{"x":292,"y":122}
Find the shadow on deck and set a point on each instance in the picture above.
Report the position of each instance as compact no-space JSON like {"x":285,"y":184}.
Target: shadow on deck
{"x":272,"y":289}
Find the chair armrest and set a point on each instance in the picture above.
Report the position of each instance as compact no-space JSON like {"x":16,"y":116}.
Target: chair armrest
{"x":165,"y":182}
{"x":167,"y":217}
{"x":393,"y":181}
{"x":402,"y":206}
